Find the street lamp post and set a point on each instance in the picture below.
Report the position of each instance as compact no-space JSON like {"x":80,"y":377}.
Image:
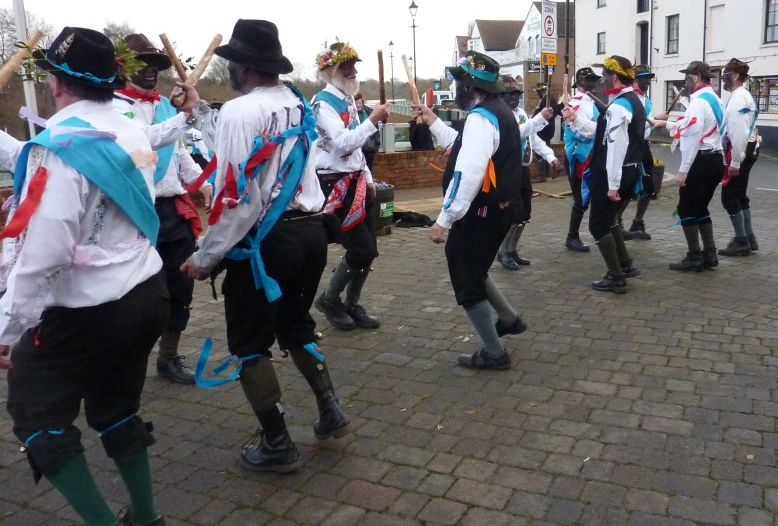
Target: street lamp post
{"x":413,"y":8}
{"x":391,"y":61}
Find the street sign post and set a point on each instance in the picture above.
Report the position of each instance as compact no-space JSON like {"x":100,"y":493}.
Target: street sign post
{"x":548,"y":27}
{"x":548,"y":59}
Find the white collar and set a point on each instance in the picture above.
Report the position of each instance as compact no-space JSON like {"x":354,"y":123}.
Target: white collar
{"x":335,"y":91}
{"x":706,"y":89}
{"x":78,"y":109}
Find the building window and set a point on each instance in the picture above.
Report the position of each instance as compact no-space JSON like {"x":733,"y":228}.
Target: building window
{"x":673,"y":25}
{"x":771,"y":22}
{"x":670,"y":94}
{"x":600,"y":3}
{"x":765,"y":93}
{"x":600,"y":43}
{"x":643,"y":6}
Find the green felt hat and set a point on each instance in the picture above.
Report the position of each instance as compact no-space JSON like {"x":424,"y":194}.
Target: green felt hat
{"x":480,"y":71}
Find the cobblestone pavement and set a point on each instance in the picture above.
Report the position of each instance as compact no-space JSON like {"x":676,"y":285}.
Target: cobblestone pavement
{"x":654,"y":408}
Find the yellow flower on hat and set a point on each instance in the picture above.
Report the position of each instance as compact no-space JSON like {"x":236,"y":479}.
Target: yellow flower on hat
{"x":611,"y":64}
{"x":337,"y":53}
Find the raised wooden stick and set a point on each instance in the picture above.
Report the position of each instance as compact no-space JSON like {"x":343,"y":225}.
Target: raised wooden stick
{"x":15,"y":62}
{"x":381,"y":85}
{"x":199,"y":69}
{"x":411,"y":83}
{"x":173,"y":57}
{"x":678,"y":95}
{"x":565,"y":90}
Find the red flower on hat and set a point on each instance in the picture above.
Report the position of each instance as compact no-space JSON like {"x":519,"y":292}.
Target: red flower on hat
{"x":119,"y":62}
{"x":345,"y":118}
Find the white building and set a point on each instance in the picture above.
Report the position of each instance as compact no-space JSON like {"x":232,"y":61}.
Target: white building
{"x":669,"y":34}
{"x":497,"y":38}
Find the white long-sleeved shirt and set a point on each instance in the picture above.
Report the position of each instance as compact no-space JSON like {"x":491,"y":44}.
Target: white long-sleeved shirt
{"x":697,"y":129}
{"x":528,"y":128}
{"x":265,"y":110}
{"x":583,"y":105}
{"x":339,"y":149}
{"x":182,"y":167}
{"x":10,"y":149}
{"x":480,"y":139}
{"x":646,"y":103}
{"x":740,"y":116}
{"x":79,"y":249}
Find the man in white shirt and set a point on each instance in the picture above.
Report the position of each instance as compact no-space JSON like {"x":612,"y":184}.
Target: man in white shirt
{"x":266,"y":231}
{"x":179,"y":220}
{"x":508,"y":256}
{"x":741,"y":149}
{"x":86,"y":300}
{"x":346,"y":179}
{"x":481,"y":179}
{"x":699,"y":132}
{"x":618,"y":149}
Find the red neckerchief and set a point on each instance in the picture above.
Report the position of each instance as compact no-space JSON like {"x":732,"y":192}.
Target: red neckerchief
{"x":614,"y":91}
{"x":698,"y":88}
{"x":137,"y":95}
{"x":637,"y":90}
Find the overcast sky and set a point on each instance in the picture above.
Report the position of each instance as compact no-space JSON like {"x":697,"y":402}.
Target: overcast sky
{"x":303,"y":25}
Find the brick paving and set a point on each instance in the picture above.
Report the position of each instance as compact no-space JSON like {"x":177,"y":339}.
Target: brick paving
{"x":654,"y":408}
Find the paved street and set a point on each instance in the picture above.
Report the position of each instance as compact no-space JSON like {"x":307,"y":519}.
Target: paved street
{"x":657,"y":408}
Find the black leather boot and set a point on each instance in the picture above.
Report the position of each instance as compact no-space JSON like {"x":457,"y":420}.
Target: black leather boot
{"x":518,"y":259}
{"x":691,"y":263}
{"x":333,"y":421}
{"x":738,"y":246}
{"x":125,"y":520}
{"x":175,"y":370}
{"x":614,"y":280}
{"x":573,"y":241}
{"x":518,"y":327}
{"x":637,"y":231}
{"x":709,"y":258}
{"x":271,"y":448}
{"x":335,"y":313}
{"x":507,"y":261}
{"x":611,"y":283}
{"x":629,"y":270}
{"x":482,"y":360}
{"x":752,"y":242}
{"x":356,"y":311}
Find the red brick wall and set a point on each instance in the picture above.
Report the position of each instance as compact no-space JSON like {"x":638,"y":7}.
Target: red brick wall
{"x":410,"y":169}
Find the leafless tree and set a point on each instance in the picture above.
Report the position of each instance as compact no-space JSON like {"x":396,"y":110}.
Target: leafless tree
{"x":9,"y":38}
{"x":470,"y":28}
{"x":299,"y":74}
{"x":115,"y":31}
{"x":217,"y":71}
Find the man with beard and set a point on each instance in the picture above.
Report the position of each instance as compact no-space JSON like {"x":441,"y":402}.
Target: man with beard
{"x":179,"y":221}
{"x":643,"y":77}
{"x":546,"y":100}
{"x":702,"y":166}
{"x":86,"y":300}
{"x":618,"y":149}
{"x":346,"y":179}
{"x":742,"y":151}
{"x":578,"y":150}
{"x":521,"y":204}
{"x":269,"y":237}
{"x":482,"y":177}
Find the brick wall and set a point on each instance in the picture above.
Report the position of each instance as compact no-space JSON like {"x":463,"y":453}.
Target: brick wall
{"x":409,"y":169}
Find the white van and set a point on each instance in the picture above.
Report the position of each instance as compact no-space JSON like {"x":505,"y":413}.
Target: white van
{"x":437,"y":97}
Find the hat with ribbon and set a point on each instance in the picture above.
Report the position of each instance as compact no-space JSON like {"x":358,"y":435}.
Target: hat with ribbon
{"x":541,"y":86}
{"x":255,"y":44}
{"x":736,"y":65}
{"x":337,"y":53}
{"x":511,"y":84}
{"x":698,"y":68}
{"x":643,"y":71}
{"x":476,"y":70}
{"x":147,"y":52}
{"x":84,"y":56}
{"x":586,"y":73}
{"x":618,"y":65}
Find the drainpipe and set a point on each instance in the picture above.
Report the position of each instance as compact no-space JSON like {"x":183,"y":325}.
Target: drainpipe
{"x":651,"y":35}
{"x":704,"y":30}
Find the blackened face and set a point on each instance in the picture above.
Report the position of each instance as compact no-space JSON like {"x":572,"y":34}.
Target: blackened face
{"x":727,"y":76}
{"x":463,"y":98}
{"x":147,"y":77}
{"x":236,"y":77}
{"x":689,"y":82}
{"x":511,"y":99}
{"x":588,"y":84}
{"x":643,"y":84}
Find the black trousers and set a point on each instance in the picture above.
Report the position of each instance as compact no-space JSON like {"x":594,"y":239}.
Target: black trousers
{"x":604,"y":210}
{"x":734,"y":194}
{"x":360,"y":241}
{"x":575,"y":187}
{"x":701,"y":183}
{"x":96,"y":354}
{"x":472,"y":245}
{"x":295,"y":254}
{"x":176,"y":242}
{"x":649,"y":187}
{"x":522,"y":203}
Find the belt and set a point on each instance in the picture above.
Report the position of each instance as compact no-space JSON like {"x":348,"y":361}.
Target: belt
{"x":293,"y":215}
{"x":709,"y":152}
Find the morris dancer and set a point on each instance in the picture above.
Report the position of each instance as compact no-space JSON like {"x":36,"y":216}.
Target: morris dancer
{"x":179,"y":221}
{"x":508,"y":255}
{"x":741,"y":150}
{"x":578,"y":150}
{"x":267,"y":233}
{"x":702,"y":166}
{"x":482,"y":177}
{"x":86,"y":299}
{"x":618,"y":149}
{"x":346,"y":179}
{"x":643,"y":77}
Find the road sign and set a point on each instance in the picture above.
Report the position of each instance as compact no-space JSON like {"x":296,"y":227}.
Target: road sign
{"x":533,"y":68}
{"x":548,"y":59}
{"x":449,"y":76}
{"x":436,"y":85}
{"x":548,"y":33}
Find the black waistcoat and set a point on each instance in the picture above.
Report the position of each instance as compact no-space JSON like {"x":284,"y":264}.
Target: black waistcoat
{"x":636,"y":131}
{"x":507,"y":159}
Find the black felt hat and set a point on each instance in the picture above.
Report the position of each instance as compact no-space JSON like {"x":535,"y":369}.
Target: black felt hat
{"x":147,"y":52}
{"x":698,"y":68}
{"x":84,"y":56}
{"x":643,"y":71}
{"x":586,"y":73}
{"x":511,"y":84}
{"x":480,"y":71}
{"x":255,"y":44}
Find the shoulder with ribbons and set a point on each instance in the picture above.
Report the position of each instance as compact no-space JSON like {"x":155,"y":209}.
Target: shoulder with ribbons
{"x":488,"y":115}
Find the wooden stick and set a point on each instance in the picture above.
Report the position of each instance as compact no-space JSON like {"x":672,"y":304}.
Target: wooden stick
{"x":541,"y":192}
{"x":411,"y":83}
{"x":12,"y":65}
{"x":173,"y":57}
{"x":597,"y":101}
{"x":381,"y":85}
{"x":565,"y":90}
{"x":199,"y":69}
{"x":678,"y":95}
